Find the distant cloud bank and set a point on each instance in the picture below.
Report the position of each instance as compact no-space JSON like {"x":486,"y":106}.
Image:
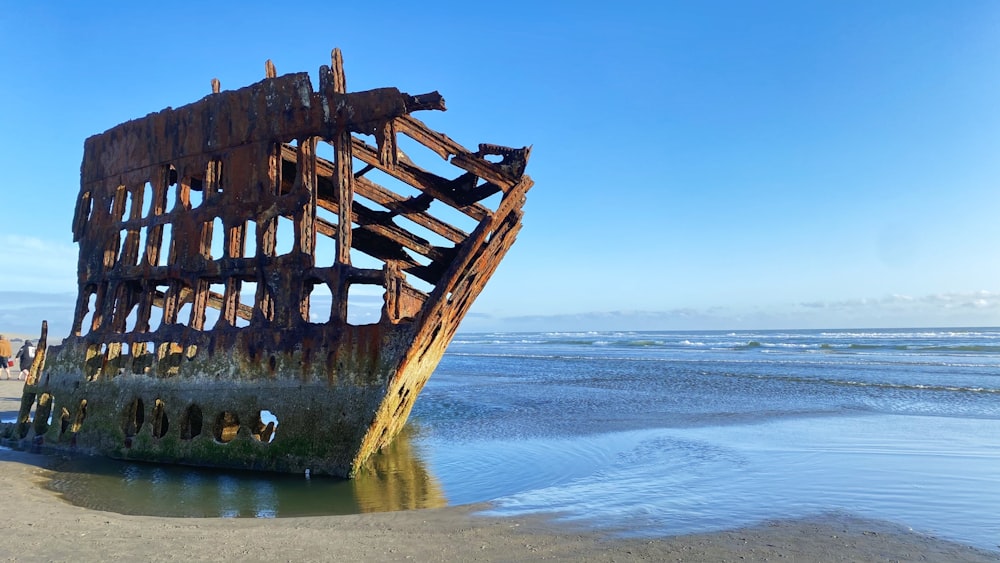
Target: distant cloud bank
{"x":976,"y":308}
{"x":22,"y":312}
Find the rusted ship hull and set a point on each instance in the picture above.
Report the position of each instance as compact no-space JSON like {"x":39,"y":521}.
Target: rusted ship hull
{"x":202,"y":347}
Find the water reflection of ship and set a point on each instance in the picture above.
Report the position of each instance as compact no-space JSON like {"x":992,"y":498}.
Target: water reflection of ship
{"x":397,"y":478}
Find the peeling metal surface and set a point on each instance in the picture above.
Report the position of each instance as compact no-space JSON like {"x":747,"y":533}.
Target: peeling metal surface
{"x":219,"y":246}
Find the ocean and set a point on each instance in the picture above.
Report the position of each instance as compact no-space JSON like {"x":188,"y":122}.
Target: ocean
{"x":653,"y":433}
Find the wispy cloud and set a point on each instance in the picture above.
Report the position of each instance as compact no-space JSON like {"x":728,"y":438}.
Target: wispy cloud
{"x":940,"y":301}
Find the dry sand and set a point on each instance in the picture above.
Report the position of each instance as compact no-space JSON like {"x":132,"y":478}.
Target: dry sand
{"x":40,"y":526}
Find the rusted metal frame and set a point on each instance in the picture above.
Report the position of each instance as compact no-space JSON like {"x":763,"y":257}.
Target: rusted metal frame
{"x":108,"y":223}
{"x":469,"y":288}
{"x":287,"y":108}
{"x":199,"y":304}
{"x":343,"y":180}
{"x":97,"y":320}
{"x":392,"y":279}
{"x":145,"y":310}
{"x":118,"y":307}
{"x":215,"y":301}
{"x":235,"y":242}
{"x":419,"y":178}
{"x":91,"y":248}
{"x":110,"y":255}
{"x":514,"y":199}
{"x":130,"y":252}
{"x":305,"y":183}
{"x":210,"y":186}
{"x":366,"y":276}
{"x":184,"y":194}
{"x":185,"y":235}
{"x":205,"y":238}
{"x":82,"y":305}
{"x":331,"y":277}
{"x":200,"y":300}
{"x":397,"y":204}
{"x":305,"y":230}
{"x":425,"y":273}
{"x":129,"y":256}
{"x":333,"y":80}
{"x":385,"y":140}
{"x":399,"y":293}
{"x":243,"y":311}
{"x":326,"y":228}
{"x":138,"y":350}
{"x":154,"y":232}
{"x":343,"y":177}
{"x":124,"y":301}
{"x":337,"y":77}
{"x":188,"y":276}
{"x":474,"y":277}
{"x":112,"y":357}
{"x":228,"y":311}
{"x":383,"y":196}
{"x":172,"y":301}
{"x":118,"y":206}
{"x":372,"y":221}
{"x":267,"y":237}
{"x":287,"y":293}
{"x":511,"y":202}
{"x":439,"y":322}
{"x":463,"y":157}
{"x":417,"y":130}
{"x":472,"y":284}
{"x":81,"y":214}
{"x":484,"y":169}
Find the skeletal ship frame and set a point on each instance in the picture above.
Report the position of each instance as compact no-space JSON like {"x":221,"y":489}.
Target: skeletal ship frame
{"x":223,"y":246}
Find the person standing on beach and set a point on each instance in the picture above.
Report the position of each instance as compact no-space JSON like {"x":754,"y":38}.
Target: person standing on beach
{"x":26,"y":355}
{"x":5,"y":356}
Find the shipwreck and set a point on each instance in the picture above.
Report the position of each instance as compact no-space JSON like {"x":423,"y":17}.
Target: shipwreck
{"x":223,"y":245}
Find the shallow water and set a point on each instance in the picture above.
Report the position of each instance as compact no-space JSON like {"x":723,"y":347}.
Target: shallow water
{"x":396,"y":481}
{"x":653,"y":433}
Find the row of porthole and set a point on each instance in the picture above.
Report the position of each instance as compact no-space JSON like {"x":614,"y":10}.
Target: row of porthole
{"x":224,"y":428}
{"x":43,"y":415}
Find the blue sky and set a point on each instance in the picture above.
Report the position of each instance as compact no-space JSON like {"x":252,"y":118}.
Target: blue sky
{"x":698,"y":165}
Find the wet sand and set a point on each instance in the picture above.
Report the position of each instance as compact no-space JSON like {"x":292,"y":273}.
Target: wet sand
{"x":40,"y":526}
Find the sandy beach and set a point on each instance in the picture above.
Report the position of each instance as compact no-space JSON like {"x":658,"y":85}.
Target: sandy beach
{"x":43,"y":527}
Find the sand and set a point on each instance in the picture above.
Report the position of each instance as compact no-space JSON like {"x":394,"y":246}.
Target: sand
{"x":40,"y":526}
